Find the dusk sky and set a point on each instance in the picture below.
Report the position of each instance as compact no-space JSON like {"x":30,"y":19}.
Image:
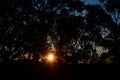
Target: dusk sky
{"x":91,"y":1}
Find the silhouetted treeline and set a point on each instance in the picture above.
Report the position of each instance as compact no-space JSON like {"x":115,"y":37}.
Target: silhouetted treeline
{"x":31,"y":28}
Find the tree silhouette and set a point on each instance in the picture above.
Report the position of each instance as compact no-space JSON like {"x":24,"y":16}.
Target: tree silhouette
{"x":112,"y":8}
{"x":20,"y":29}
{"x":72,"y":28}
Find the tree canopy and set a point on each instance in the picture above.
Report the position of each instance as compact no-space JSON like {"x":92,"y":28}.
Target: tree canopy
{"x":33,"y":27}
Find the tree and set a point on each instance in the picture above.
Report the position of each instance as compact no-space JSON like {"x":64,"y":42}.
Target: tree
{"x":113,"y":8}
{"x":25,"y":25}
{"x":71,"y":27}
{"x":20,"y":29}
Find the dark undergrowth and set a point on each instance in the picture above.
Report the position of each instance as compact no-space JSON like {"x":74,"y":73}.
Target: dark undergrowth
{"x":32,"y":70}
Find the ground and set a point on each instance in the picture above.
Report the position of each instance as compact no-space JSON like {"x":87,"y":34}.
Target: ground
{"x":47,"y":71}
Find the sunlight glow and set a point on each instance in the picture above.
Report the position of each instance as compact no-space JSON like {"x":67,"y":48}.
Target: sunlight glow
{"x":50,"y":57}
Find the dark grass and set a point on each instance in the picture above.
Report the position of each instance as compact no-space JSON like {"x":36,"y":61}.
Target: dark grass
{"x":31,"y":70}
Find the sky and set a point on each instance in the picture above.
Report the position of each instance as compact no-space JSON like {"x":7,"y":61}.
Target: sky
{"x":91,"y":1}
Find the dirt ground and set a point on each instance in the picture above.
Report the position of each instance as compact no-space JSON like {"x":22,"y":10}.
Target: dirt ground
{"x":48,"y":71}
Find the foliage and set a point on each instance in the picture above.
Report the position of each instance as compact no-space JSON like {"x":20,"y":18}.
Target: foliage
{"x":33,"y":27}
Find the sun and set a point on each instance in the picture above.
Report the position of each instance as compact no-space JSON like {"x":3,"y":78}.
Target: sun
{"x":50,"y":57}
